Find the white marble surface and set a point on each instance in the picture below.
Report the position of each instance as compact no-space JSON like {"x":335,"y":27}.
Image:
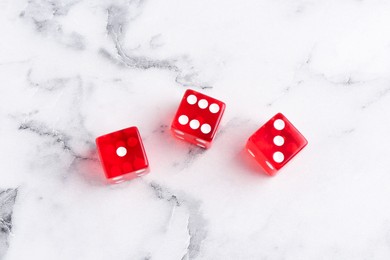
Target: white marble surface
{"x":73,"y":70}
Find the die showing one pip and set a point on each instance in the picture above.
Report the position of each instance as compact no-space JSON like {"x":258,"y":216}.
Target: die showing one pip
{"x":275,"y":143}
{"x":197,"y":118}
{"x":122,"y":155}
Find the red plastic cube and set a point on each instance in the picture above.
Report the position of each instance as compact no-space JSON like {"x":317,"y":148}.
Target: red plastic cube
{"x":122,"y":155}
{"x":197,"y":118}
{"x":275,"y":143}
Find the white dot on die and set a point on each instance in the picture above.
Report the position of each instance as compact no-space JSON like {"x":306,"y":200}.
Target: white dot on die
{"x":214,"y":108}
{"x":205,"y":128}
{"x":191,"y":99}
{"x":183,"y":119}
{"x":203,"y":103}
{"x":194,"y":124}
{"x":121,"y":151}
{"x":278,"y":157}
{"x":279,"y":124}
{"x":278,"y":140}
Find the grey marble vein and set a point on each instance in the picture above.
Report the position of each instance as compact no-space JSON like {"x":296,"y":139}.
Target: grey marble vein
{"x":7,"y":201}
{"x":58,"y":137}
{"x":379,"y":96}
{"x":191,"y":79}
{"x":347,"y":81}
{"x":286,"y":91}
{"x":197,"y":224}
{"x":45,"y":17}
{"x":118,"y":18}
{"x":52,"y":84}
{"x":343,"y":133}
{"x":36,"y":122}
{"x":192,"y":154}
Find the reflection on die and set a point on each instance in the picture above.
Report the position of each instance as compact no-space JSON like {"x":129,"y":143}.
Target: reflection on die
{"x":122,"y":155}
{"x":275,"y":143}
{"x":197,"y":118}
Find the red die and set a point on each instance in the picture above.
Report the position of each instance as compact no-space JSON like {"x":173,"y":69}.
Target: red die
{"x":122,"y":155}
{"x":275,"y":143}
{"x":197,"y":118}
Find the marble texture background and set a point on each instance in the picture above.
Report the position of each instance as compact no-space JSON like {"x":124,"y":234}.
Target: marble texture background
{"x":73,"y":70}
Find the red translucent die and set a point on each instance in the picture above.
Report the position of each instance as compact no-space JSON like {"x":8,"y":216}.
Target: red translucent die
{"x":275,"y":143}
{"x":122,"y":155}
{"x":197,"y":118}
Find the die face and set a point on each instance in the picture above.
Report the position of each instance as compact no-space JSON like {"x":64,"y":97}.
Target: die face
{"x":197,"y":118}
{"x":275,"y":143}
{"x":122,"y":154}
